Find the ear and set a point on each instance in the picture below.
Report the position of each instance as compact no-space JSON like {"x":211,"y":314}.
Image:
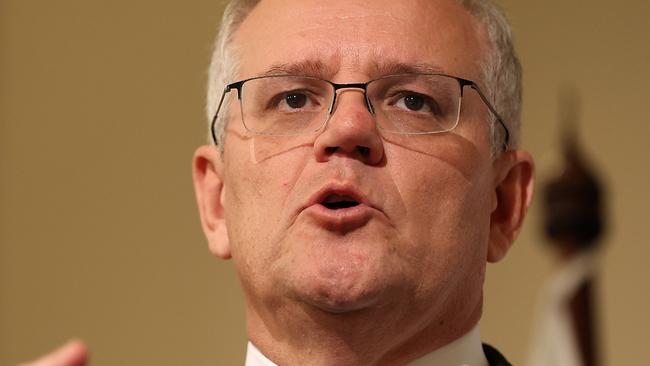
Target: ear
{"x":207,"y":172}
{"x":513,"y":194}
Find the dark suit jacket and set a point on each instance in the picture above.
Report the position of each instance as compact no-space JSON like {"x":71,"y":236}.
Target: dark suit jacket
{"x":494,"y":357}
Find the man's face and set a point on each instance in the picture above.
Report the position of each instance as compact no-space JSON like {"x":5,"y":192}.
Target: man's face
{"x":419,"y":233}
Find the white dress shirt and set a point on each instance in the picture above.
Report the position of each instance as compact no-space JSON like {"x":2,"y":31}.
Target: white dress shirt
{"x":464,"y":351}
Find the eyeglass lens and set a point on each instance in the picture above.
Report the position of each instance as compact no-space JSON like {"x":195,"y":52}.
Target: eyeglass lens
{"x":407,"y":104}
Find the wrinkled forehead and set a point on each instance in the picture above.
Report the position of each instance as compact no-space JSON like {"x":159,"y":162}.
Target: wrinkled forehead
{"x":343,"y":39}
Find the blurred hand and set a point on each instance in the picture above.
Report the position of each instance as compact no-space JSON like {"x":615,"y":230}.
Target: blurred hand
{"x":73,"y":353}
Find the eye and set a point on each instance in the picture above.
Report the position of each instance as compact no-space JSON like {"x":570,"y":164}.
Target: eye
{"x":295,"y":100}
{"x":414,"y":102}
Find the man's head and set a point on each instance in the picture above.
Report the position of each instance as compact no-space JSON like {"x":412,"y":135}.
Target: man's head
{"x":353,"y":222}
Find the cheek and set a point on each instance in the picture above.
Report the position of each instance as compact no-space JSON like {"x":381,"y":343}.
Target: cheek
{"x":256,"y":198}
{"x":446,"y":227}
{"x":447,"y":207}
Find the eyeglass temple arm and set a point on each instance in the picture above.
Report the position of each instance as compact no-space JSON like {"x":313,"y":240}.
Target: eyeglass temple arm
{"x":216,"y":114}
{"x":506,"y":137}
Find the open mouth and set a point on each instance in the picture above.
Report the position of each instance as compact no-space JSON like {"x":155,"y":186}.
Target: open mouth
{"x":337,"y":202}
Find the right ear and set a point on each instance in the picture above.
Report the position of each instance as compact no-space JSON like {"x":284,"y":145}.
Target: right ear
{"x":207,"y":172}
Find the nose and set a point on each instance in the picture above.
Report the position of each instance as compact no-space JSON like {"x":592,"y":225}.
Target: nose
{"x":350,"y":131}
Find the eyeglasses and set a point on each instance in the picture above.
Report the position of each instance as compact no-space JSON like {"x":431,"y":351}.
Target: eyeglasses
{"x":410,"y":104}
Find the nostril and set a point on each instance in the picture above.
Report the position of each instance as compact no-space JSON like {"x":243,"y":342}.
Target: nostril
{"x":364,"y":151}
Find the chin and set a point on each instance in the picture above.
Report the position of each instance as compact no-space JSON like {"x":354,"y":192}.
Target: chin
{"x":340,"y":273}
{"x":339,"y":302}
{"x":337,"y":286}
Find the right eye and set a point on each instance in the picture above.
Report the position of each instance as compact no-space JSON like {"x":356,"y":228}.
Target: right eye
{"x":295,"y":100}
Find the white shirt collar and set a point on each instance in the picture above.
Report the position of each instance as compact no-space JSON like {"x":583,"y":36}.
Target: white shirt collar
{"x":255,"y":358}
{"x":464,"y":351}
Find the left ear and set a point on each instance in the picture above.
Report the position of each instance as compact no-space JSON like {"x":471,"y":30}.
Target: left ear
{"x":513,"y":185}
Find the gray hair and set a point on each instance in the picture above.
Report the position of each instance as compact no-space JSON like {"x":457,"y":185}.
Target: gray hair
{"x":501,"y":70}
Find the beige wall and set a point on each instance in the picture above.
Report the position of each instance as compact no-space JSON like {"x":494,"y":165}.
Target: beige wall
{"x":101,"y":107}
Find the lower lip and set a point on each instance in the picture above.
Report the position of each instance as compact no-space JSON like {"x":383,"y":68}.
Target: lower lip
{"x":342,"y":219}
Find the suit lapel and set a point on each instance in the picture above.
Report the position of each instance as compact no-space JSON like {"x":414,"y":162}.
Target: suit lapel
{"x":494,"y":357}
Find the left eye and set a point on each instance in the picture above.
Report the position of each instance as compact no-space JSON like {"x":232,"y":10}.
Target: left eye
{"x":414,"y":102}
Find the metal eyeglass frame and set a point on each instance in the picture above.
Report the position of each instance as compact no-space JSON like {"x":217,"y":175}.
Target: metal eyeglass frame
{"x":364,"y":86}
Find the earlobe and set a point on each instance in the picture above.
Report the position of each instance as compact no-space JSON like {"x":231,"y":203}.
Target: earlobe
{"x":514,"y":183}
{"x":209,"y":187}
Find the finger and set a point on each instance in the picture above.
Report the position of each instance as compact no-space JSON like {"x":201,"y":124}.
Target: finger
{"x":73,"y":353}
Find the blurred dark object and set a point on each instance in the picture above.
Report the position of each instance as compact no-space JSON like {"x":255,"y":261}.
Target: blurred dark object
{"x":573,"y":200}
{"x":573,"y":203}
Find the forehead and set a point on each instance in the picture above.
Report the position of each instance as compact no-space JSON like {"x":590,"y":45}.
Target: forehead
{"x":361,"y":39}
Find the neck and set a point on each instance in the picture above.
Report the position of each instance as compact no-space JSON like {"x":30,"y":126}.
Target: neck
{"x":378,"y":336}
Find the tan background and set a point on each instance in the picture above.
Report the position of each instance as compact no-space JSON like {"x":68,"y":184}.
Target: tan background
{"x":101,"y":108}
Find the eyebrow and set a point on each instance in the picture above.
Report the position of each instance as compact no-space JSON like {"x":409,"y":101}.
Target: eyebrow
{"x":319,"y":69}
{"x":315,"y":68}
{"x":383,"y":68}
